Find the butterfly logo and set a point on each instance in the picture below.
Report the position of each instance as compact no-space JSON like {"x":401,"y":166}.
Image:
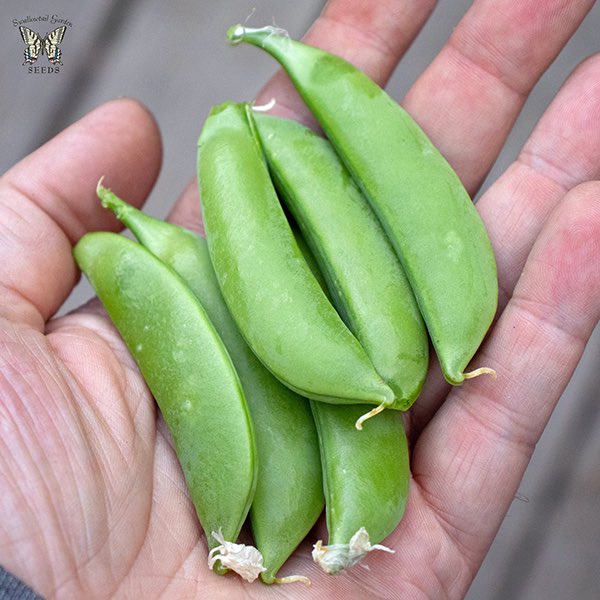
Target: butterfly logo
{"x":49,"y":44}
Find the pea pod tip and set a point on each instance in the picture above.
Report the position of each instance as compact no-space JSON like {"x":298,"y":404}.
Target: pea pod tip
{"x":111,"y":201}
{"x":338,"y":557}
{"x":239,"y":33}
{"x":480,"y":371}
{"x":369,"y":415}
{"x":292,"y":579}
{"x":463,"y":376}
{"x":264,"y":107}
{"x":246,"y":561}
{"x":99,"y":185}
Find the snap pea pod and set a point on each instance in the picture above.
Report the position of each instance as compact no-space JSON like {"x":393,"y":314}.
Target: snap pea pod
{"x":427,"y":213}
{"x":276,"y":302}
{"x":189,"y":373}
{"x":289,"y":492}
{"x":363,"y":274}
{"x":366,"y":478}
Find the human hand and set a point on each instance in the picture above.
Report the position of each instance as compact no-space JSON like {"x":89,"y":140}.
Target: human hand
{"x":93,"y":500}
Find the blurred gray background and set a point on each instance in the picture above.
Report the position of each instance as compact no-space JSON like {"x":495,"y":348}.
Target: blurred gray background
{"x":173,"y":56}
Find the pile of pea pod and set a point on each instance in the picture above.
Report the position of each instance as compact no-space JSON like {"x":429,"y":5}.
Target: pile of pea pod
{"x":296,"y":334}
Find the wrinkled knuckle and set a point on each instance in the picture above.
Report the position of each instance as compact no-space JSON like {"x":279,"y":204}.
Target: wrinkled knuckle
{"x":586,"y":192}
{"x":580,"y":215}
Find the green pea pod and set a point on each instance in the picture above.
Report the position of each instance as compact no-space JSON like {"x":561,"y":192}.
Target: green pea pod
{"x":189,"y":373}
{"x":286,"y":437}
{"x":366,"y":478}
{"x":364,"y":277}
{"x":276,"y":302}
{"x":422,"y":204}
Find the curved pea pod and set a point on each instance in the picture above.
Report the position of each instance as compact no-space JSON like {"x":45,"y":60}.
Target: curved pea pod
{"x":289,"y":490}
{"x":189,"y":373}
{"x":422,"y":204}
{"x":363,"y":274}
{"x":366,"y":478}
{"x":277,"y":304}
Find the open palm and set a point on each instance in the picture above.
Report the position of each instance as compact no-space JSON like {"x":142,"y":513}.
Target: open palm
{"x":93,"y":502}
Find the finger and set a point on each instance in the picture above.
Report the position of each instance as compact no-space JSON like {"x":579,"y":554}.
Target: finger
{"x":559,"y":155}
{"x":469,"y":97}
{"x":469,"y":461}
{"x":48,"y":201}
{"x":371,"y":35}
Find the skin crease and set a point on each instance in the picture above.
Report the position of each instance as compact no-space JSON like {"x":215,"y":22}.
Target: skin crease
{"x":93,"y":503}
